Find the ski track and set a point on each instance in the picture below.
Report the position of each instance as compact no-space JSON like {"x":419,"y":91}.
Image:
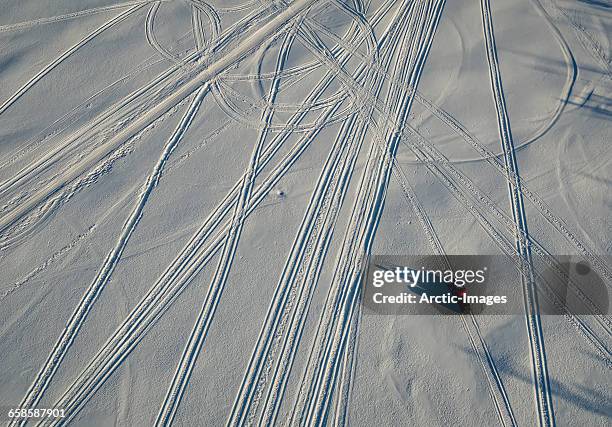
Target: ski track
{"x":472,"y":329}
{"x":537,"y":202}
{"x":156,"y":301}
{"x":557,"y":222}
{"x":344,"y":291}
{"x":274,"y":399}
{"x":171,"y":166}
{"x":474,"y":202}
{"x":35,"y":219}
{"x":323,"y":322}
{"x":297,"y":269}
{"x":71,"y":116}
{"x":49,"y":67}
{"x":168,"y":79}
{"x":101,"y":280}
{"x":214,"y":245}
{"x":41,"y":21}
{"x":587,"y":41}
{"x":324,"y":387}
{"x":152,"y":39}
{"x":80,"y":313}
{"x":187,"y":264}
{"x":170,"y":95}
{"x":321,"y":385}
{"x":200,"y":329}
{"x":543,"y":393}
{"x":348,"y":371}
{"x":299,"y":264}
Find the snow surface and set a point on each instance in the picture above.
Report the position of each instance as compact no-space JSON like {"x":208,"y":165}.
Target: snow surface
{"x":189,"y":191}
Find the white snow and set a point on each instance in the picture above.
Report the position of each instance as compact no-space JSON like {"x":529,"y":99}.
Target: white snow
{"x":189,"y":191}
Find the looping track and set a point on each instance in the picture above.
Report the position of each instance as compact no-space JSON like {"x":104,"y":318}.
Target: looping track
{"x":358,"y":83}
